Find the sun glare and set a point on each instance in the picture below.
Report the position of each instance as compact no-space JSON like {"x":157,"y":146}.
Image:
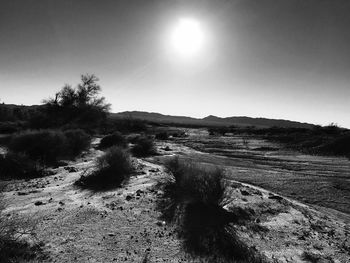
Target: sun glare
{"x":187,"y":38}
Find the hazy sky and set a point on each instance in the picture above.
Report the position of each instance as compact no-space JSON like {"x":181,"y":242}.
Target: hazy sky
{"x":286,"y":59}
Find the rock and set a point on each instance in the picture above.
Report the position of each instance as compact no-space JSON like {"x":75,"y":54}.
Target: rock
{"x":160,"y":193}
{"x":61,"y":203}
{"x":245,"y":192}
{"x":22,"y":193}
{"x":111,"y":234}
{"x":167,"y":149}
{"x":139,"y":192}
{"x":161,"y":223}
{"x":38,"y":203}
{"x":128,"y":197}
{"x":71,"y":169}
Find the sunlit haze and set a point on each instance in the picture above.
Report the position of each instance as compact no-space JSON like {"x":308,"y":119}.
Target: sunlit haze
{"x":187,"y":38}
{"x":273,"y":59}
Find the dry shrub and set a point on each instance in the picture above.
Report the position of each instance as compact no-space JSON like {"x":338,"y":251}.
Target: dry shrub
{"x":112,"y":169}
{"x":194,"y":196}
{"x":114,"y":139}
{"x":19,"y":166}
{"x":77,"y":141}
{"x":14,"y":232}
{"x":144,"y":147}
{"x":48,"y":146}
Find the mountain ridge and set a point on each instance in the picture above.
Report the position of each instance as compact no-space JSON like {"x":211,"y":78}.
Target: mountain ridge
{"x":211,"y":120}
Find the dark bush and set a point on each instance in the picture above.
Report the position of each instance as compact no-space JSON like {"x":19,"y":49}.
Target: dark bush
{"x":143,"y":147}
{"x":48,"y":146}
{"x":81,"y":106}
{"x":339,"y":146}
{"x":112,"y":170}
{"x":19,"y":166}
{"x":192,"y":183}
{"x":9,"y":127}
{"x":114,"y":139}
{"x":45,"y":146}
{"x":194,"y":196}
{"x":162,"y":136}
{"x":77,"y":141}
{"x":124,"y":125}
{"x":5,"y":139}
{"x":133,"y":138}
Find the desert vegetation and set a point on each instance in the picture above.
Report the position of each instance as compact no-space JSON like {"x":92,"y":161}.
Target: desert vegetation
{"x":114,"y":139}
{"x":14,"y":230}
{"x":81,"y":106}
{"x":49,"y":146}
{"x":194,"y":196}
{"x":143,"y":146}
{"x":162,"y":136}
{"x":322,"y":140}
{"x":112,"y":169}
{"x":123,"y":125}
{"x":19,"y":166}
{"x":30,"y":152}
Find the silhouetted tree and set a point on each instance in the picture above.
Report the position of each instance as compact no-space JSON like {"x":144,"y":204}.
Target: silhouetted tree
{"x":80,"y":106}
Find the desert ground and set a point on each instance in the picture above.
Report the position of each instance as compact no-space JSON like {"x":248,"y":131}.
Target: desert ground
{"x":298,"y":205}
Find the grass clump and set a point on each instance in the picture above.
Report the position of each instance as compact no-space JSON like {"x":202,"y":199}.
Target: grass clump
{"x":49,"y":146}
{"x":194,"y":196}
{"x":112,"y":170}
{"x":192,"y":183}
{"x":114,"y":139}
{"x":13,"y":246}
{"x":144,"y":147}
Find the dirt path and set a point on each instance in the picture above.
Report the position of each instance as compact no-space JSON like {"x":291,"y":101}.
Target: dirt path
{"x":83,"y":226}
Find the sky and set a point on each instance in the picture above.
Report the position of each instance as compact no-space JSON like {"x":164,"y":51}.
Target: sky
{"x":283,"y":59}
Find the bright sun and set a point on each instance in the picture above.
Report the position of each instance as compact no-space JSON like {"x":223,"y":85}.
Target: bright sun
{"x":187,"y":38}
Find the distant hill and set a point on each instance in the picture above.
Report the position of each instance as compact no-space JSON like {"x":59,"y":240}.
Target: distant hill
{"x":12,"y":112}
{"x":210,"y":120}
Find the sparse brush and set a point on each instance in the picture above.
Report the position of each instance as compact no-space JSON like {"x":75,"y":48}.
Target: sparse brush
{"x":162,"y":136}
{"x":77,"y":141}
{"x":13,"y":231}
{"x":19,"y":166}
{"x":114,"y":139}
{"x":194,"y":196}
{"x":143,"y":147}
{"x":44,"y":145}
{"x":339,"y":146}
{"x":48,"y":146}
{"x":112,"y":170}
{"x":194,"y":183}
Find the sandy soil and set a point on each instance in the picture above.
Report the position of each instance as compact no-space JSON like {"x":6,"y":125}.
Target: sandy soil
{"x":123,"y":225}
{"x":317,"y":180}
